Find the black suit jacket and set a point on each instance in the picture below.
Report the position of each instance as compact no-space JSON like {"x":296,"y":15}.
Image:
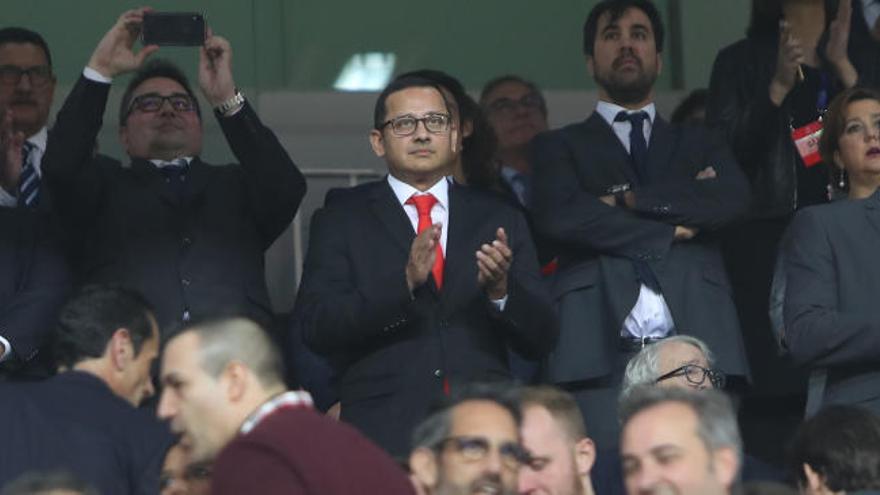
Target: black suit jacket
{"x":393,"y":349}
{"x":73,"y":421}
{"x":34,"y":280}
{"x":596,"y":285}
{"x":198,"y":252}
{"x":832,"y":316}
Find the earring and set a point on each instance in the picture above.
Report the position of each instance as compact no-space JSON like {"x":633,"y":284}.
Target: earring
{"x":842,"y":182}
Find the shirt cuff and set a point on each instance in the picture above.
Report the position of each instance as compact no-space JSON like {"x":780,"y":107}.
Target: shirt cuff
{"x":500,"y":303}
{"x":7,"y":199}
{"x":93,"y":75}
{"x":6,"y":355}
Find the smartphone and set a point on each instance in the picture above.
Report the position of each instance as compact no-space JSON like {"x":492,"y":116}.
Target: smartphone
{"x":173,"y":29}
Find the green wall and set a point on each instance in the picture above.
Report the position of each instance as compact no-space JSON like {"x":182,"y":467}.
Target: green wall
{"x":301,"y":45}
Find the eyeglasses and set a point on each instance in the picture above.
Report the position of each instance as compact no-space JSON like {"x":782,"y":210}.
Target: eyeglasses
{"x":435,"y":123}
{"x":152,"y":102}
{"x":39,"y":75}
{"x":507,"y":106}
{"x":475,"y":449}
{"x":696,"y":375}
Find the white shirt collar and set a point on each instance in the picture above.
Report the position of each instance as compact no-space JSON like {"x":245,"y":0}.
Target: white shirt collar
{"x":404,"y":191}
{"x":39,"y":139}
{"x":162,"y":163}
{"x":609,"y":111}
{"x":291,"y":398}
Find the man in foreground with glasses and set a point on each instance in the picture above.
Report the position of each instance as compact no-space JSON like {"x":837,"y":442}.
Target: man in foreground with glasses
{"x":412,"y":285}
{"x":189,"y":235}
{"x":517,"y":112}
{"x":469,"y":444}
{"x":223,"y":392}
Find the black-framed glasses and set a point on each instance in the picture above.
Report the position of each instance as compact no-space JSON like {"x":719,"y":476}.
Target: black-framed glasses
{"x":435,"y":123}
{"x":39,"y":75}
{"x":696,"y":375}
{"x":507,"y":106}
{"x":475,"y":449}
{"x":152,"y":102}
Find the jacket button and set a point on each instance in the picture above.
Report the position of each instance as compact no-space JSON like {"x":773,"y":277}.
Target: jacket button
{"x":187,"y":241}
{"x":438,"y":373}
{"x":185,"y":281}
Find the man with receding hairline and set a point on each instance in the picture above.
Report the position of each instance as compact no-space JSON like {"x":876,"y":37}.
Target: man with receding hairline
{"x":223,"y":391}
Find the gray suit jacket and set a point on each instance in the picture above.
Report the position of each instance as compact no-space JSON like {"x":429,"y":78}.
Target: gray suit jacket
{"x":832,"y":311}
{"x":596,"y":285}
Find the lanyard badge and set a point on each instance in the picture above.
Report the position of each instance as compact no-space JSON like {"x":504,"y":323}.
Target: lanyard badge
{"x":806,"y":140}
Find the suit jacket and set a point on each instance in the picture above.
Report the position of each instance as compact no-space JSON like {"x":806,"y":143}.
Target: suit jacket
{"x":73,"y":421}
{"x":832,"y":319}
{"x":196,"y":253}
{"x":596,"y":286}
{"x":393,"y":349}
{"x":296,"y":451}
{"x":34,"y":280}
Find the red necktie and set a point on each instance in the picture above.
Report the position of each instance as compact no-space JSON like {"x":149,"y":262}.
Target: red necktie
{"x":423,"y":204}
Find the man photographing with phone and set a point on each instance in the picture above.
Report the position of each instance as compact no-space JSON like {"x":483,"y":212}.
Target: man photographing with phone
{"x":189,"y":235}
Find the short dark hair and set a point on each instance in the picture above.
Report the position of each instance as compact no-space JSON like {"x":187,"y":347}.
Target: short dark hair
{"x":154,"y":68}
{"x":766,"y":14}
{"x":561,"y":405}
{"x":88,"y":320}
{"x":437,"y":424}
{"x":841,"y":444}
{"x":24,"y":35}
{"x":616,"y":9}
{"x":511,"y":78}
{"x":380,"y":112}
{"x":835,"y":122}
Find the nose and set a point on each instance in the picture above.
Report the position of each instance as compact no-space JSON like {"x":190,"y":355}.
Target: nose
{"x":24,"y":82}
{"x":527,"y":481}
{"x":167,"y":407}
{"x":149,"y":388}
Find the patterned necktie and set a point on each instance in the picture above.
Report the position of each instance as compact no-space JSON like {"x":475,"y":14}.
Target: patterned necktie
{"x":29,"y":181}
{"x":638,"y":148}
{"x":423,"y":204}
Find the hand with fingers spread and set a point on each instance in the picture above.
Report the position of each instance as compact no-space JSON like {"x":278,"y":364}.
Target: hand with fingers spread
{"x":215,"y":69}
{"x":493,"y":264}
{"x":115,"y":53}
{"x":788,"y":59}
{"x":421,"y":257}
{"x":838,"y":39}
{"x":10,"y":153}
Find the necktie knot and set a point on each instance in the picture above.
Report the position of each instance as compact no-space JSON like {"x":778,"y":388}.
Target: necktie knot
{"x":637,"y":119}
{"x":423,"y":203}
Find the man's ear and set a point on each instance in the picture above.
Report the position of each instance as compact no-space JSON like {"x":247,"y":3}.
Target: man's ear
{"x":121,"y":349}
{"x":377,"y":142}
{"x":235,"y":381}
{"x":591,"y":68}
{"x":726,"y":465}
{"x":424,"y":468}
{"x":659,"y":63}
{"x":814,"y":480}
{"x":584,"y":456}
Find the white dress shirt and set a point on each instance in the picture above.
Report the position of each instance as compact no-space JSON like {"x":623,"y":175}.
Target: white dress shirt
{"x":38,"y":140}
{"x":439,"y":213}
{"x":650,"y":317}
{"x":871,"y":12}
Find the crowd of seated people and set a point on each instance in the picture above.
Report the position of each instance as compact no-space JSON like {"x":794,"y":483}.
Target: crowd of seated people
{"x":512,"y":309}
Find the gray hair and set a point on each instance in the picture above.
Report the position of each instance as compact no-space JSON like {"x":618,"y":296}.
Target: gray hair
{"x":716,"y":419}
{"x":224,"y":340}
{"x":643,"y":368}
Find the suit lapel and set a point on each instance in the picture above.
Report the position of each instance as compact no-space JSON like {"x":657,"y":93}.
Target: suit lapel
{"x":390,"y":215}
{"x":660,"y":149}
{"x":197,"y":178}
{"x":603,"y":147}
{"x":872,"y":210}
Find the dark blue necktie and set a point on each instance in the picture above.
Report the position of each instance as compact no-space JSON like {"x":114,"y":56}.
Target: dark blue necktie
{"x":638,"y":147}
{"x":638,"y":154}
{"x":175,"y":175}
{"x":29,"y":181}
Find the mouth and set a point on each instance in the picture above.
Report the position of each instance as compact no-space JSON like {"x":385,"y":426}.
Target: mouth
{"x":19,"y":103}
{"x":422,"y":152}
{"x":626,"y":61}
{"x":873,"y":152}
{"x":487,"y":488}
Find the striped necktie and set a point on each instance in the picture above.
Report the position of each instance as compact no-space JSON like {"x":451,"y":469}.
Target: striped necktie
{"x":29,"y":181}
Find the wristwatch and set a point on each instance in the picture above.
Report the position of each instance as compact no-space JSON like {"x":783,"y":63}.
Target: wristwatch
{"x":232,"y":105}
